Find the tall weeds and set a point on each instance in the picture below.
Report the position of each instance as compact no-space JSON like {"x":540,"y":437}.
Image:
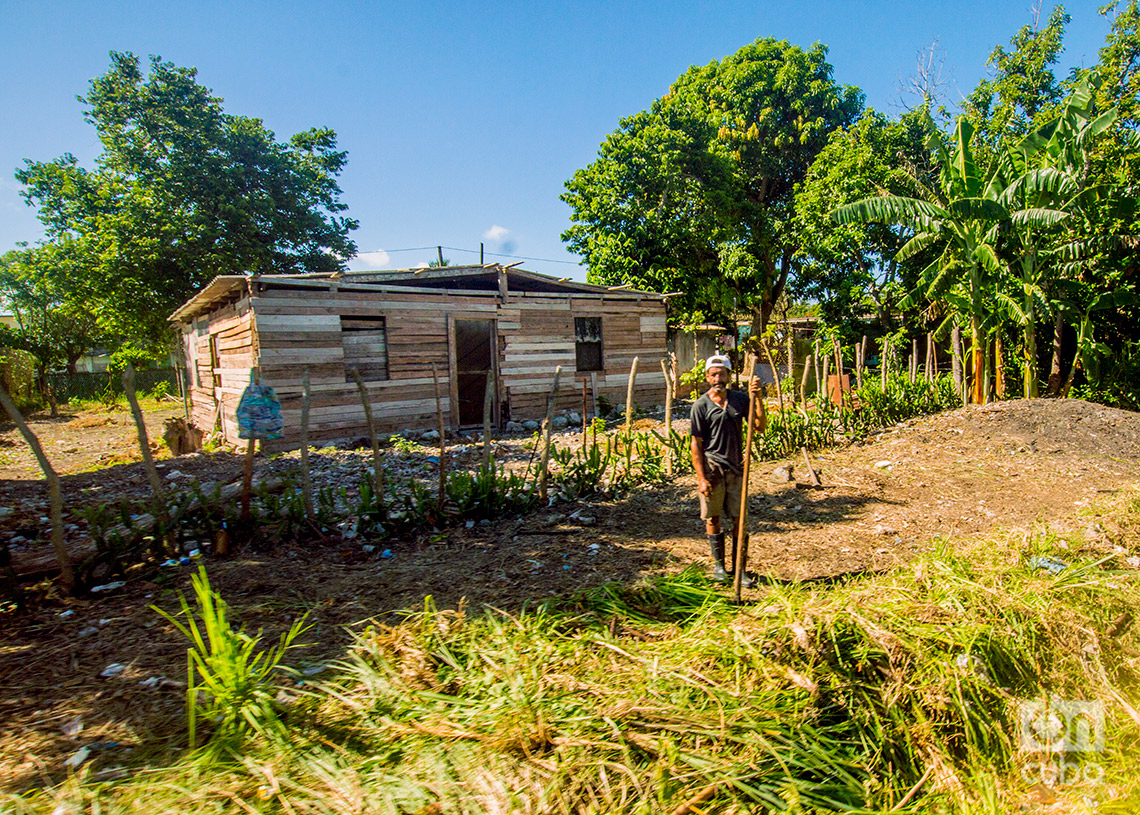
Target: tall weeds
{"x":230,"y":682}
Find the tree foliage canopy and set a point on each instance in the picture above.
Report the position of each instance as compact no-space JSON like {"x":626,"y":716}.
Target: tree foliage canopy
{"x":695,"y":194}
{"x":843,"y":266}
{"x":183,"y":191}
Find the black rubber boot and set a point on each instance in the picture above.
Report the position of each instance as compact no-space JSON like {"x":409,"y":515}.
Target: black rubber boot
{"x":747,"y":580}
{"x":716,"y":548}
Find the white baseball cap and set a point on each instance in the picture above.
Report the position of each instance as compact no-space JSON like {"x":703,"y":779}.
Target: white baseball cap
{"x":718,"y":361}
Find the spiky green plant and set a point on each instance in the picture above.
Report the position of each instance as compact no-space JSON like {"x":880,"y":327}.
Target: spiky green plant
{"x":230,"y":680}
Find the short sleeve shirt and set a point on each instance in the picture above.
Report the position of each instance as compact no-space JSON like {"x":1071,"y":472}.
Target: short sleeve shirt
{"x":720,"y":428}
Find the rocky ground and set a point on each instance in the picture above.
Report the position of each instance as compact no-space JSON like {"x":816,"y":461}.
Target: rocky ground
{"x":102,"y":672}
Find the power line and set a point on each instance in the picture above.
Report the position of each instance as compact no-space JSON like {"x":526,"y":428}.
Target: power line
{"x":476,"y":252}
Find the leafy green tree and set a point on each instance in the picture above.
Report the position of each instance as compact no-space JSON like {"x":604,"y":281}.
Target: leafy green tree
{"x":1024,"y":91}
{"x":848,"y":268}
{"x":183,"y":191}
{"x":49,"y":300}
{"x":695,"y":194}
{"x":1055,"y":209}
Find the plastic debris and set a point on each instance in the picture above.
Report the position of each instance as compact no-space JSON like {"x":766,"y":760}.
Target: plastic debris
{"x":73,"y":727}
{"x":106,"y":587}
{"x":169,"y":562}
{"x":112,"y":670}
{"x":1049,"y":564}
{"x":368,"y":548}
{"x":387,"y":554}
{"x":67,"y":615}
{"x":194,"y":553}
{"x":77,"y":758}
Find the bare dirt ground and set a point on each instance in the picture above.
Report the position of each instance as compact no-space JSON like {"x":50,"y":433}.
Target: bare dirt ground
{"x":1010,"y":466}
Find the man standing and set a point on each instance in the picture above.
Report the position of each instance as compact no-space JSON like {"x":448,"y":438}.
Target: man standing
{"x":716,"y":423}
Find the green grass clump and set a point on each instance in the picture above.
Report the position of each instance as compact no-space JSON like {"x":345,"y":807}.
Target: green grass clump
{"x":892,"y":692}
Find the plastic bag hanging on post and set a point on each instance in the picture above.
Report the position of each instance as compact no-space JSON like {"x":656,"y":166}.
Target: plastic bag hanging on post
{"x":259,"y":412}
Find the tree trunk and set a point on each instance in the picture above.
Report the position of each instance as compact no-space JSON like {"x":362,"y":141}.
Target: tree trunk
{"x":979,"y":356}
{"x":46,"y":390}
{"x":1054,"y":388}
{"x":999,"y":368}
{"x":1030,"y":360}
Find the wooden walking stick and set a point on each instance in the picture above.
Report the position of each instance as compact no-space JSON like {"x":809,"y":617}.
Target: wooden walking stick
{"x":740,"y":557}
{"x":668,"y":419}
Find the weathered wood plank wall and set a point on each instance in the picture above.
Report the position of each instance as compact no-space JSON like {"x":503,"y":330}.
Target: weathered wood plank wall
{"x":287,"y":330}
{"x":220,"y":349}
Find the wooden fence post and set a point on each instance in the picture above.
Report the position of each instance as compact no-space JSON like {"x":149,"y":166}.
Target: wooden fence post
{"x":792,"y":364}
{"x":306,"y":476}
{"x":884,"y":360}
{"x":488,"y":403}
{"x":629,"y":398}
{"x":159,"y":496}
{"x":819,"y":371}
{"x":377,"y":470}
{"x":542,"y":472}
{"x":775,"y":375}
{"x":804,"y":380}
{"x":442,"y":440}
{"x":956,"y":361}
{"x":66,"y":572}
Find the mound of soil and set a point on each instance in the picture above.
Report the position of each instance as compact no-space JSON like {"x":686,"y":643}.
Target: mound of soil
{"x":1013,"y":465}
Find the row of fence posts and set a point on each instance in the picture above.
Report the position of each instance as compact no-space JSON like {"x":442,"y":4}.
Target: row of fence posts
{"x":820,"y":362}
{"x":55,"y":495}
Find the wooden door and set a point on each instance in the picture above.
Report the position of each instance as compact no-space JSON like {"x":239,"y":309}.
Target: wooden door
{"x":474,"y":358}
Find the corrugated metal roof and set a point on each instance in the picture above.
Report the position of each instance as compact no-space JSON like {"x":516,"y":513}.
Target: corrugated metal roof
{"x":225,"y":287}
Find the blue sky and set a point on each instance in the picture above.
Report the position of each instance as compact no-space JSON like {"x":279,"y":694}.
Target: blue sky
{"x":462,"y":120}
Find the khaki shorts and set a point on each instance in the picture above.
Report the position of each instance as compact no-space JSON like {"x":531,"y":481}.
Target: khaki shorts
{"x":723,"y":497}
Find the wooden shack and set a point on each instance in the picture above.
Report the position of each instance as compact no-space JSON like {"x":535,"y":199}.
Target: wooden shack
{"x":393,"y":326}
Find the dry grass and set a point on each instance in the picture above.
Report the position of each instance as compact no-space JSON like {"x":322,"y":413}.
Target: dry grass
{"x":896,"y":692}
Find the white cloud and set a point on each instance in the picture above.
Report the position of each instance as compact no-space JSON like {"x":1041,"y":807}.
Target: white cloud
{"x":377,"y":259}
{"x":496,"y":233}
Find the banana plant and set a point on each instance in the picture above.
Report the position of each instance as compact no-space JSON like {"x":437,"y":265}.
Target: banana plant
{"x":1043,"y":179}
{"x":960,"y":216}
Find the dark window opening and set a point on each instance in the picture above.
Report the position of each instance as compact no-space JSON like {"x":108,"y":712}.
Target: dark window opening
{"x":365,"y":342}
{"x":588,"y":343}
